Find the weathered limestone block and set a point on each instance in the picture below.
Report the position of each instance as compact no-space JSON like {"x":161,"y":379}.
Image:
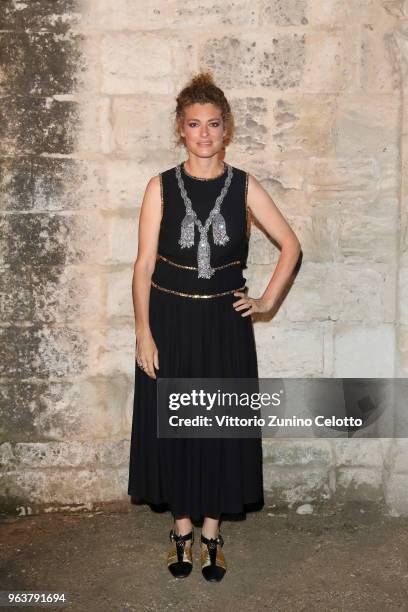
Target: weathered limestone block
{"x":397,"y":458}
{"x":403,"y":294}
{"x":51,"y":351}
{"x":283,"y":181}
{"x":402,"y":357}
{"x":364,"y":351}
{"x":395,"y":493}
{"x":278,"y":63}
{"x":298,"y":484}
{"x":378,"y":76}
{"x":95,"y":130}
{"x":330,"y":60}
{"x":367,"y":125}
{"x":343,"y":181}
{"x":133,"y":124}
{"x":116,"y":354}
{"x":15,"y":184}
{"x":28,"y":63}
{"x":122,"y":394}
{"x":358,"y":452}
{"x":341,"y":292}
{"x":41,"y":410}
{"x":126,"y":71}
{"x":396,"y":8}
{"x":66,"y":184}
{"x":67,"y":454}
{"x":151,"y":14}
{"x":314,"y":294}
{"x":53,"y":239}
{"x":55,"y":487}
{"x":126,"y":182}
{"x":289,"y":350}
{"x":122,"y":239}
{"x":297,"y":452}
{"x":35,"y":125}
{"x":54,"y":15}
{"x":318,"y":235}
{"x":68,"y":295}
{"x":261,"y":248}
{"x":302,"y":12}
{"x":354,"y":219}
{"x":60,"y":184}
{"x":363,"y":238}
{"x":366,"y":294}
{"x":292,"y":13}
{"x":302,"y":125}
{"x":251,"y":118}
{"x":359,"y":484}
{"x":119,"y":304}
{"x":17,"y":302}
{"x":37,"y":294}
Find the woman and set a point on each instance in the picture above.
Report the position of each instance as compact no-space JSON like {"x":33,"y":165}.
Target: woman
{"x":193,"y":317}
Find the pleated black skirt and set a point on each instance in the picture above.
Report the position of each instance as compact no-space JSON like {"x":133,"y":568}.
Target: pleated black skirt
{"x":202,"y":476}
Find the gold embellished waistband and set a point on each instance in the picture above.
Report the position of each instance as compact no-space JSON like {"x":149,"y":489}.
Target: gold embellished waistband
{"x":196,"y":295}
{"x":173,"y":263}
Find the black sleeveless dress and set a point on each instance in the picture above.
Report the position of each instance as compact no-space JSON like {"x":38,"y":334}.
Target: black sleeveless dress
{"x":198,"y":333}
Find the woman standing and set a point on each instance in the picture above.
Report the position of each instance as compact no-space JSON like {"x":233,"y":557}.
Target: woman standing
{"x":193,"y":317}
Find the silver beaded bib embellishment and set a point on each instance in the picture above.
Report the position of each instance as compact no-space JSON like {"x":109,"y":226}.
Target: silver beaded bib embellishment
{"x":215,"y":218}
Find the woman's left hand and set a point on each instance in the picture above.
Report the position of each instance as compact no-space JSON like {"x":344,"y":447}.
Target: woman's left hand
{"x":251,"y":305}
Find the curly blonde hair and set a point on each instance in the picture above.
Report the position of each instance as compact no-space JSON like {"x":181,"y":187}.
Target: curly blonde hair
{"x":202,"y":89}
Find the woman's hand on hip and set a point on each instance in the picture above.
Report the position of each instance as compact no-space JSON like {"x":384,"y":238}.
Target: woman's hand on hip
{"x":147,"y":355}
{"x":251,"y":305}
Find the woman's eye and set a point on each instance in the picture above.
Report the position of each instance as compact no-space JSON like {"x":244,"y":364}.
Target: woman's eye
{"x":211,"y":124}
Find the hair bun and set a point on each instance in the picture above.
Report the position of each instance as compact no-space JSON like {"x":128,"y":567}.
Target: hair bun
{"x":202,"y":79}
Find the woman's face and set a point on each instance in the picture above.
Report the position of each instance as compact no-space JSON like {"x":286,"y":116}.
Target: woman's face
{"x":203,"y":129}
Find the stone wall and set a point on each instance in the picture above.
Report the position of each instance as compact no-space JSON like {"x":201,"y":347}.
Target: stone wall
{"x":87,"y":96}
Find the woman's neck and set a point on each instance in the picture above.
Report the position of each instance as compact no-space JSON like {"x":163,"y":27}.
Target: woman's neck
{"x":203,"y":169}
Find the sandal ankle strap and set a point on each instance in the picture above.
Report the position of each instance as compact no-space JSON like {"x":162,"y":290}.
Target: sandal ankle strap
{"x":181,"y":538}
{"x":213,"y":541}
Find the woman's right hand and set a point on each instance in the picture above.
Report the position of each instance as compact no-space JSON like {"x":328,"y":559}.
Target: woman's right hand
{"x":147,"y":355}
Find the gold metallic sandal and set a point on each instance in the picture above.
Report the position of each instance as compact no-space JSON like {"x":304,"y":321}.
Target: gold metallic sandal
{"x":213,"y":565}
{"x":180,"y":558}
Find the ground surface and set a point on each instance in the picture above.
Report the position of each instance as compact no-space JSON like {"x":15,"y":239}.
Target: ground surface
{"x":348,"y":558}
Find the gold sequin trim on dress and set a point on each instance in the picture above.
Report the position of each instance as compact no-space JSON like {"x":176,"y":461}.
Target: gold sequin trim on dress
{"x":173,"y":263}
{"x":161,"y":193}
{"x":247,"y":209}
{"x":196,"y":295}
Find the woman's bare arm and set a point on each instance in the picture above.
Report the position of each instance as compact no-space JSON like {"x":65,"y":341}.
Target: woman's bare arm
{"x":272,"y":220}
{"x":149,"y":228}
